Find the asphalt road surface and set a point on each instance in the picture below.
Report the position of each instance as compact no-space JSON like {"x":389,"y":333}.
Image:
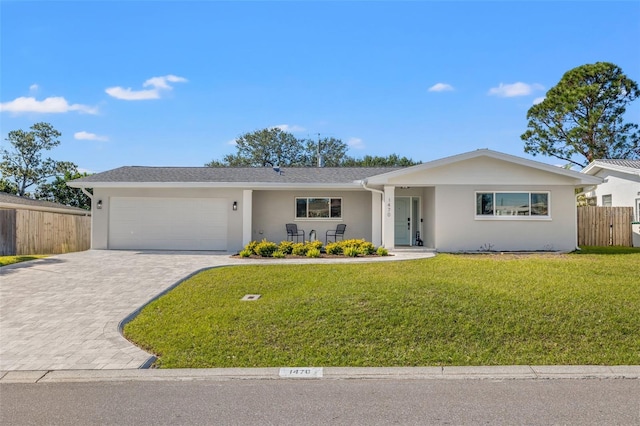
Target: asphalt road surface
{"x":322,"y":402}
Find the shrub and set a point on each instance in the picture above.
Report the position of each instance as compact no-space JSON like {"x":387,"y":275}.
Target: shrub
{"x":334,"y":248}
{"x":317,"y":244}
{"x":246,"y":253}
{"x":299,"y":249}
{"x":278,"y":254}
{"x":382,"y":251}
{"x":367,"y":248}
{"x":251,"y":247}
{"x":286,"y":247}
{"x":313,"y":252}
{"x":351,"y":251}
{"x":265,"y":248}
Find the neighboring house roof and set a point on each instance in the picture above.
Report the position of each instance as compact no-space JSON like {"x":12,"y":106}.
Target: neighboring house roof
{"x":228,"y":176}
{"x":8,"y":201}
{"x":625,"y":166}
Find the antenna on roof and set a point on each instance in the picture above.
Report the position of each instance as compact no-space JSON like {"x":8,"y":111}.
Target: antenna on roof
{"x":319,"y":158}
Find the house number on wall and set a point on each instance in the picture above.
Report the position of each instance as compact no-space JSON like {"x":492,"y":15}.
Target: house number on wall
{"x":389,"y":208}
{"x":301,"y":372}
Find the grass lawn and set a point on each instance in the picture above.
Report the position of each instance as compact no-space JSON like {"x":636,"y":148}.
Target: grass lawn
{"x":8,"y":260}
{"x":450,"y":310}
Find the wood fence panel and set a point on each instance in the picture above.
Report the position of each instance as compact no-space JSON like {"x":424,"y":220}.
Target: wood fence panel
{"x":51,"y":233}
{"x":7,"y":232}
{"x":605,"y":226}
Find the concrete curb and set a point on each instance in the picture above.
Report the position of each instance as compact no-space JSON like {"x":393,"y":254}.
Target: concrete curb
{"x":514,"y":372}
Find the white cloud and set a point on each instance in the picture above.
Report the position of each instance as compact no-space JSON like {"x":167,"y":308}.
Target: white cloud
{"x":514,"y":89}
{"x":441,"y":87}
{"x":157,"y":84}
{"x":52,"y":105}
{"x":86,"y":136}
{"x":536,"y":101}
{"x":355,"y":143}
{"x":33,"y":88}
{"x":232,"y":142}
{"x":291,"y":128}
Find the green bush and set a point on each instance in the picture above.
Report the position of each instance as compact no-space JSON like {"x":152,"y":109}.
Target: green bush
{"x":334,"y":248}
{"x":278,"y":254}
{"x":265,"y":248}
{"x":351,"y":251}
{"x":245,"y":253}
{"x":313,"y":252}
{"x":251,"y":247}
{"x":382,"y":251}
{"x":299,"y":249}
{"x":317,"y":244}
{"x":286,"y":247}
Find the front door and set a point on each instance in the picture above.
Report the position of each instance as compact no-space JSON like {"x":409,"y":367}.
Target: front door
{"x":402,"y":223}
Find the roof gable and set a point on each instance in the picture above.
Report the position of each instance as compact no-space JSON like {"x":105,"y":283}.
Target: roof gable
{"x":484,"y":166}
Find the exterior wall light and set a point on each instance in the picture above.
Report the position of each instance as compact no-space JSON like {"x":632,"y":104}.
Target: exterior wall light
{"x":99,"y":205}
{"x":235,"y":205}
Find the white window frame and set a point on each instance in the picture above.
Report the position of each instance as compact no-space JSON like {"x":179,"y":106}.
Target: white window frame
{"x":316,"y":219}
{"x":495,"y":216}
{"x":609,"y":200}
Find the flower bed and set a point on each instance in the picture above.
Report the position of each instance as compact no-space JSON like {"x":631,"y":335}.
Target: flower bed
{"x":312,"y":249}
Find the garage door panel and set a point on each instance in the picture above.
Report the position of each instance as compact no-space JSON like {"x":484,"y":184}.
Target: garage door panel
{"x":168,"y":223}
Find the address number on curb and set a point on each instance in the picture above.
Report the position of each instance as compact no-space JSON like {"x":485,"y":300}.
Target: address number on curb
{"x":301,"y":372}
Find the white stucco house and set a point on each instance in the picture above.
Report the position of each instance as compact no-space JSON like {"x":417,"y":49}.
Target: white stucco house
{"x":620,"y":186}
{"x":473,"y":201}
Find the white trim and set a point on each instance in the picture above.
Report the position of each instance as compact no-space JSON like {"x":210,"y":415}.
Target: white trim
{"x":593,"y":167}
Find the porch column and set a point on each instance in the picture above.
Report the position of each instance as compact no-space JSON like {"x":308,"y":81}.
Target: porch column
{"x":376,"y":218}
{"x":388,"y":231}
{"x":247,"y":216}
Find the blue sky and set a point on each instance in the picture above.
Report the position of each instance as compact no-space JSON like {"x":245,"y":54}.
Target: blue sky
{"x":173,"y":83}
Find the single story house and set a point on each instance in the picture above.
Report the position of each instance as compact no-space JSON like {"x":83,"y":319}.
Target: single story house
{"x":620,"y":186}
{"x":479,"y":200}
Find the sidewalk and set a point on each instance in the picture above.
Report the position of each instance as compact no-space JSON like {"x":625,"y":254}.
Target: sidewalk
{"x":515,"y":372}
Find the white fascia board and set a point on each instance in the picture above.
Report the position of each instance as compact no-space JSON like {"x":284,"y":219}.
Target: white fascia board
{"x":221,"y":185}
{"x":582,"y":179}
{"x":595,"y":166}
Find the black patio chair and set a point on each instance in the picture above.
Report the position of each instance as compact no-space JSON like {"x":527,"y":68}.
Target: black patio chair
{"x":338,"y":232}
{"x":293,"y":231}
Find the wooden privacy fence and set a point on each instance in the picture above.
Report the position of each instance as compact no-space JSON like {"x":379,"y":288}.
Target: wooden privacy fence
{"x":605,"y":226}
{"x":24,"y":232}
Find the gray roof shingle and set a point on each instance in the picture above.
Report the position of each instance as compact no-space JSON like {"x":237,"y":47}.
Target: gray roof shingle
{"x":632,"y":164}
{"x":290,"y":175}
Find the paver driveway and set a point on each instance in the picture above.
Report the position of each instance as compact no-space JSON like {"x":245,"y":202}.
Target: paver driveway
{"x":63,"y":312}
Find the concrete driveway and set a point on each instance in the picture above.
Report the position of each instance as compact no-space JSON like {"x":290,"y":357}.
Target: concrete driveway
{"x":62,"y":312}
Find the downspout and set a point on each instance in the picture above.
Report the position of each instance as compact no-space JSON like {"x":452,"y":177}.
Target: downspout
{"x":364,"y":186}
{"x":584,"y":191}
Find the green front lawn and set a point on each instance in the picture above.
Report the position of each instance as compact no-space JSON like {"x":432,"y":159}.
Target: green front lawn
{"x":450,"y":310}
{"x":8,"y":260}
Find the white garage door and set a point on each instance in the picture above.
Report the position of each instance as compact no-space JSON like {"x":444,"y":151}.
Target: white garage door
{"x":168,"y":223}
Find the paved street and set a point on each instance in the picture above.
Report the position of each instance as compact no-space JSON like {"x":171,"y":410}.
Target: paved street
{"x":62,"y":312}
{"x":321,"y":402}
